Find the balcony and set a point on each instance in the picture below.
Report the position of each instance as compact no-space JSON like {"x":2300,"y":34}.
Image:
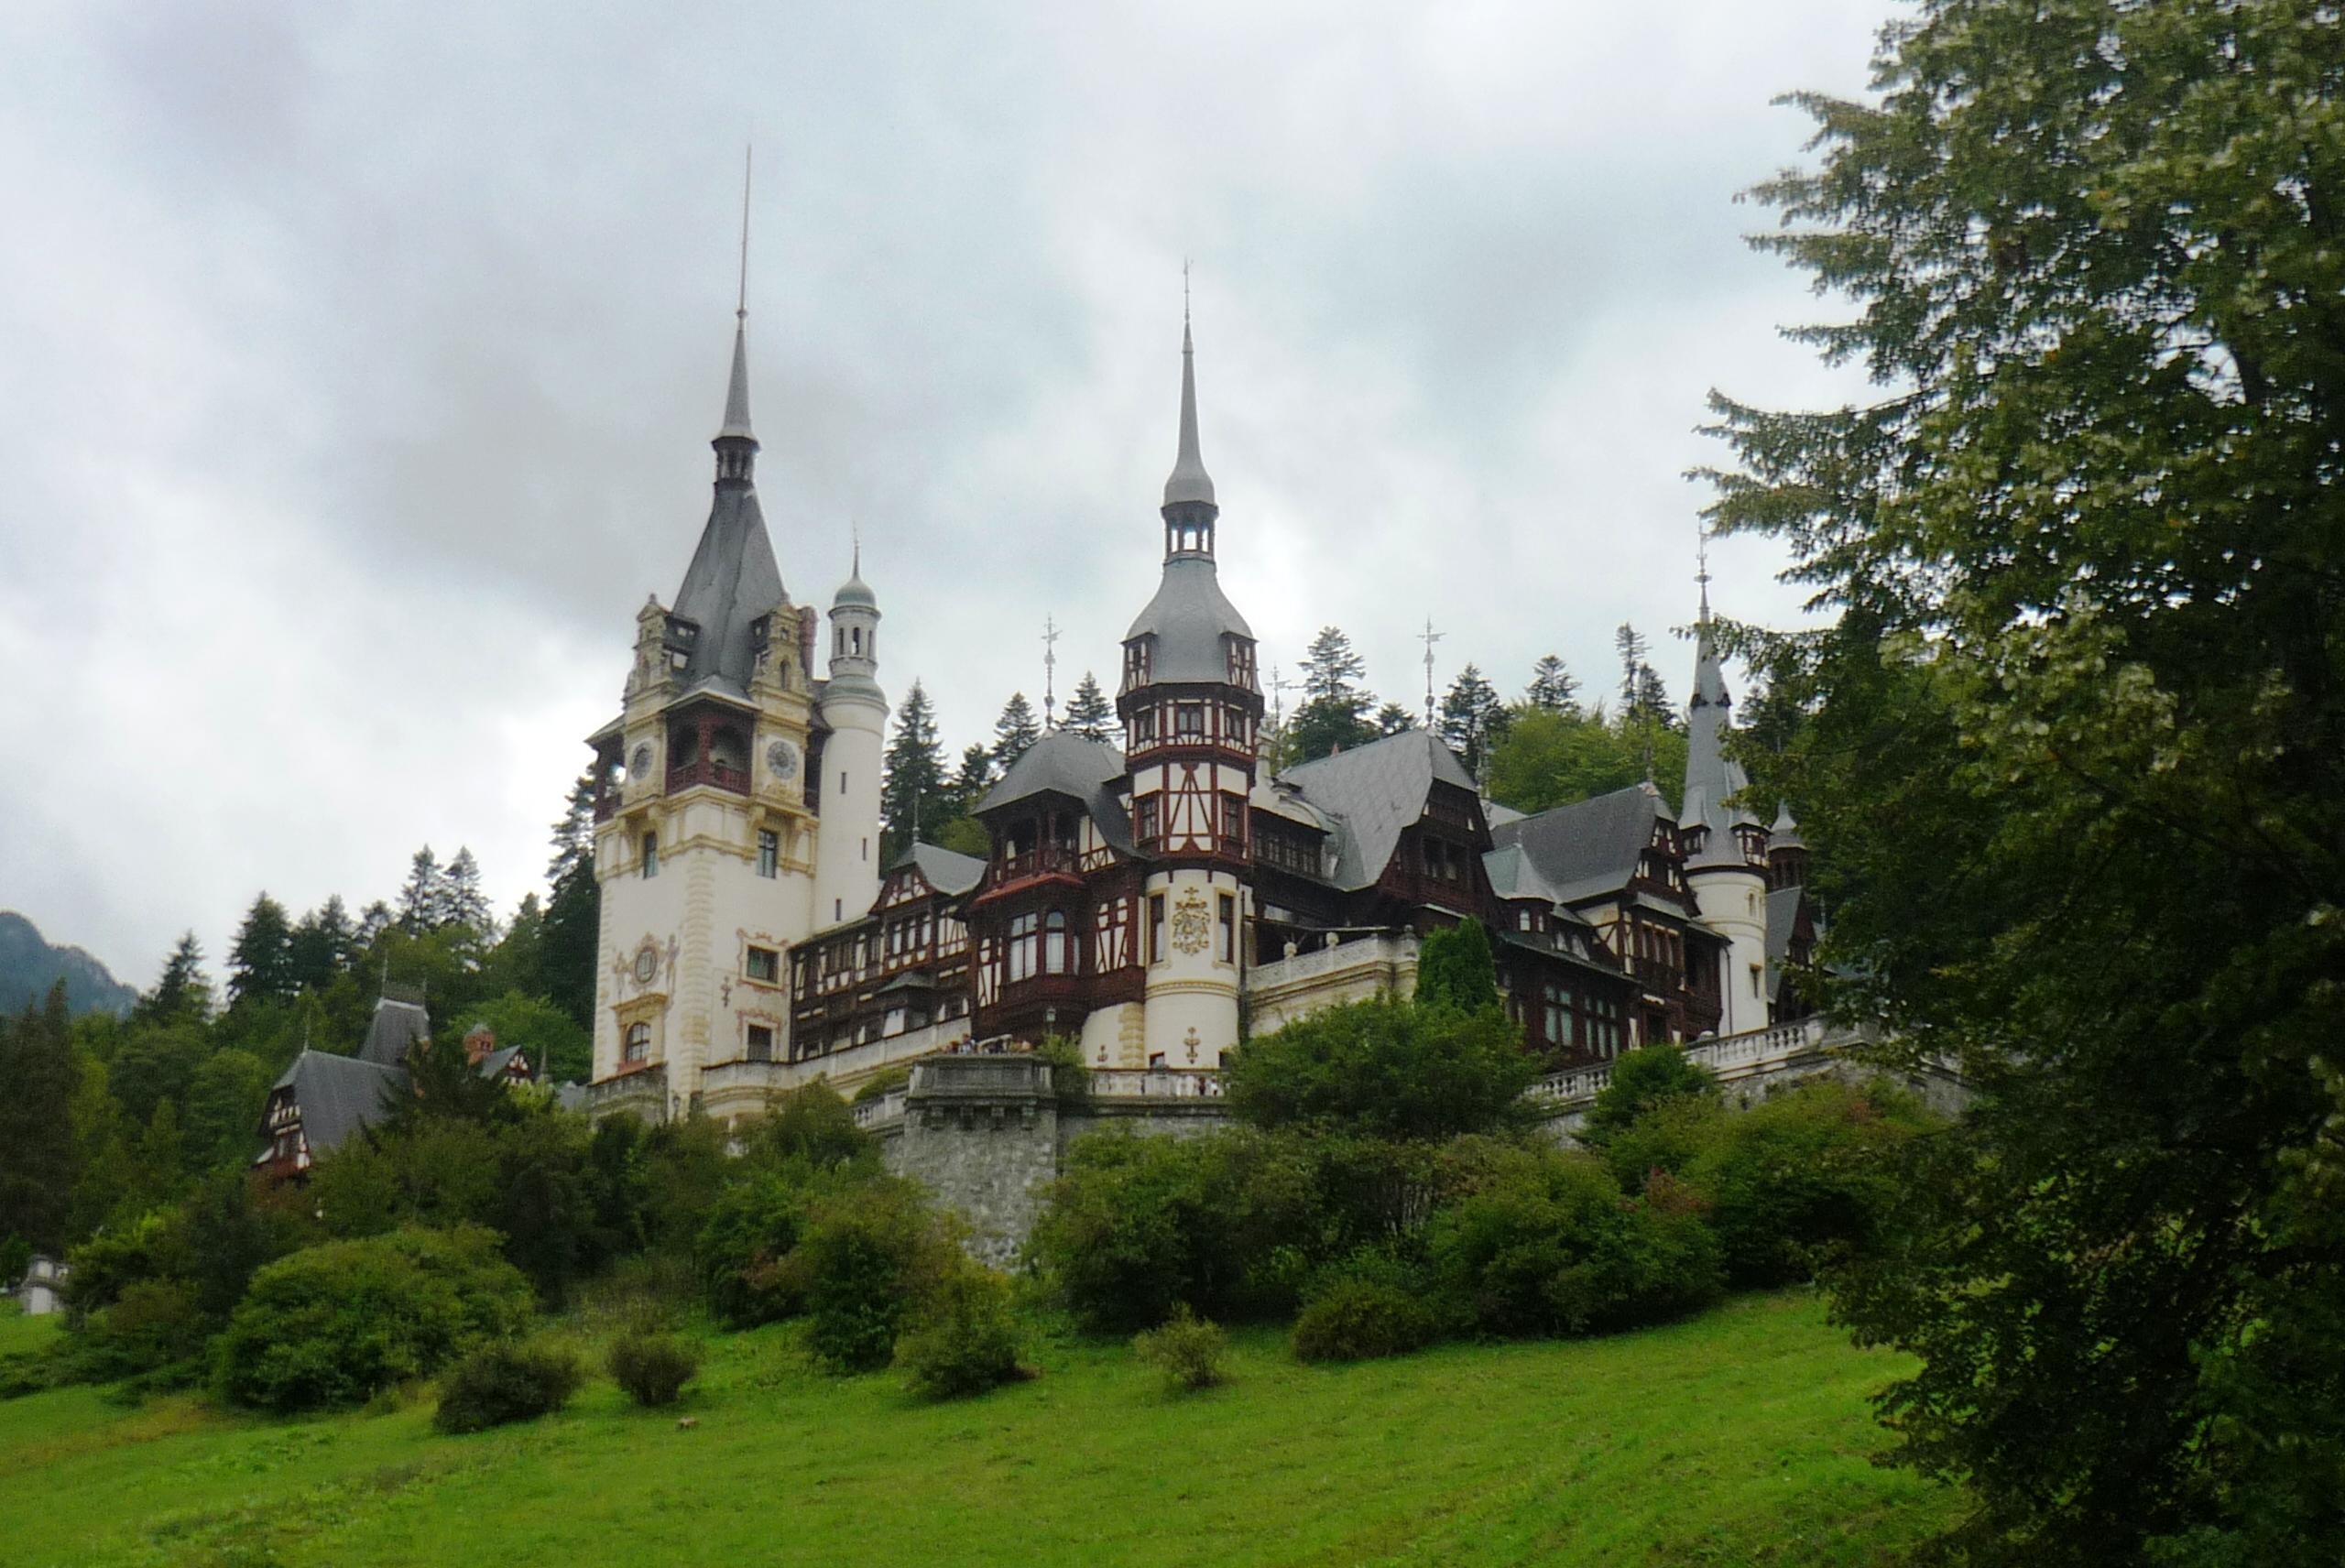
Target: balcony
{"x":708,"y":771}
{"x":1051,"y":860}
{"x":643,"y":1091}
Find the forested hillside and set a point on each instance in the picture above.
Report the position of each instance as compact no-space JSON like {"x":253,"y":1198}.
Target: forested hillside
{"x":29,"y":965}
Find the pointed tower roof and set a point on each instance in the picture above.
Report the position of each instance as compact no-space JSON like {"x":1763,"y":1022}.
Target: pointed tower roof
{"x":1715,"y":783}
{"x":1189,"y":483}
{"x":855,"y":591}
{"x":736,"y":391}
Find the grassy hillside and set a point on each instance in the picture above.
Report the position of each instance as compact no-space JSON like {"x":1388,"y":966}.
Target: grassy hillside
{"x":1738,"y":1438}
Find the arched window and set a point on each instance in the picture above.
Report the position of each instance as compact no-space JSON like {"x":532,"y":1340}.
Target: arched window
{"x":854,"y":639}
{"x":639,"y":1042}
{"x":1057,"y":957}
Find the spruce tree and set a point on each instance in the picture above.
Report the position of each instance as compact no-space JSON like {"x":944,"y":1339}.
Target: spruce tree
{"x":260,"y":963}
{"x":1332,"y":669}
{"x":913,"y":788}
{"x":423,"y":899}
{"x":1014,"y":731}
{"x":569,"y":934}
{"x":1392,"y":718}
{"x":1553,"y":689}
{"x":181,"y":994}
{"x":322,"y":946}
{"x":373,"y":922}
{"x":37,"y":1155}
{"x":1473,"y":718}
{"x":464,"y":902}
{"x":973,"y":779}
{"x":1635,"y":653}
{"x":1335,"y":710}
{"x":1089,"y":714}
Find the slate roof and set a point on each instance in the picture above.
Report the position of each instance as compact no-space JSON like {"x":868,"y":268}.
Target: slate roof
{"x":946,"y":870}
{"x":1188,"y":618}
{"x":1063,"y":763}
{"x":339,"y":1095}
{"x":1588,"y":847}
{"x":1782,"y":913}
{"x":397,"y":1025}
{"x":494,"y":1064}
{"x":732,"y":580}
{"x":1372,"y":792}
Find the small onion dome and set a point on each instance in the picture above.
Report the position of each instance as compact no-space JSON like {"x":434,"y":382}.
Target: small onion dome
{"x":855,"y":593}
{"x":1785,"y":834}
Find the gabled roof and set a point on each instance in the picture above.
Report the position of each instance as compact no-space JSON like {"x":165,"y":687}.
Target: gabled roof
{"x":1063,"y":763}
{"x":1372,"y":792}
{"x":1588,"y":847}
{"x":339,"y":1095}
{"x":397,"y":1025}
{"x":1783,"y":917}
{"x":946,"y":870}
{"x":494,"y":1064}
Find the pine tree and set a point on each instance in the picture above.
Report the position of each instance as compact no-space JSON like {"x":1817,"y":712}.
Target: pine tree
{"x":424,"y":897}
{"x":464,"y":902}
{"x":182,"y":994}
{"x":1014,"y":731}
{"x":1392,"y":718}
{"x":1652,"y":705}
{"x":373,"y":922}
{"x":1634,"y":652}
{"x":1553,"y":689}
{"x":260,"y":963}
{"x":37,"y":1156}
{"x":1089,"y":711}
{"x":1473,"y":718}
{"x":569,"y":934}
{"x":914,"y":789}
{"x":971,"y":780}
{"x":1335,"y":710}
{"x":323,"y":945}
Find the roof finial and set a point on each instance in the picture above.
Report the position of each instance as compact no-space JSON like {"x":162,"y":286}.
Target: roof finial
{"x":1051,"y":635}
{"x":1190,"y":482}
{"x":1702,"y":568}
{"x":1430,"y":636}
{"x":736,"y":463}
{"x":855,"y":531}
{"x":741,"y":303}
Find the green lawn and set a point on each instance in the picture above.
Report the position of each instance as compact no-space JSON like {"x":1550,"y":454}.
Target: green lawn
{"x":1738,"y":1438}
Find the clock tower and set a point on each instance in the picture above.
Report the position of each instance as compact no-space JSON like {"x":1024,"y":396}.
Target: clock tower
{"x":707,"y":807}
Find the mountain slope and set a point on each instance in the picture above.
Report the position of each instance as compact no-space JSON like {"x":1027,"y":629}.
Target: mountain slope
{"x":30,"y":967}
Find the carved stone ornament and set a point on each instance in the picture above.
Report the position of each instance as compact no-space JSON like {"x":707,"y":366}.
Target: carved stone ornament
{"x":1192,"y":923}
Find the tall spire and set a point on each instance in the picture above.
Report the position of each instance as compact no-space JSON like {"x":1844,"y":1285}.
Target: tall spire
{"x":1190,"y":484}
{"x":736,"y":461}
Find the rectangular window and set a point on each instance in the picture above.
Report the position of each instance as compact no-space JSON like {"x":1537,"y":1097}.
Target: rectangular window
{"x":1022,"y":934}
{"x":760,"y":1043}
{"x":765,"y":964}
{"x":1156,"y":928}
{"x":650,"y":856}
{"x":1233,"y":822}
{"x":1147,"y":819}
{"x":769,"y":852}
{"x":1189,"y":719}
{"x":1144,"y":726}
{"x":1227,"y":951}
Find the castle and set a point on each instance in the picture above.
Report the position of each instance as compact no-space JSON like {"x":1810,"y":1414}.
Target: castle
{"x":1158,"y":903}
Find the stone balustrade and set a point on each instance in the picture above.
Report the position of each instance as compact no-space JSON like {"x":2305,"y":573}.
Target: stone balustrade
{"x":1384,"y":948}
{"x":1153,"y":1083}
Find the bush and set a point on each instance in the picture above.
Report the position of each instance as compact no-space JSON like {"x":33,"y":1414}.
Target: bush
{"x":332,"y":1325}
{"x":1192,"y":1352}
{"x":1545,"y":1243}
{"x":866,"y":1253}
{"x":1670,"y":1137}
{"x":962,"y":1338}
{"x":1642,"y":1078}
{"x":1385,"y":1068}
{"x":155,"y":1330}
{"x":1138,"y":1225}
{"x":748,"y":1233}
{"x":497,"y":1384}
{"x":653,"y":1367}
{"x":1358,"y":1319}
{"x":1803,"y":1178}
{"x":808,"y":1126}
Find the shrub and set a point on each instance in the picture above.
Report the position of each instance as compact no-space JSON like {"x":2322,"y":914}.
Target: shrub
{"x":808,"y":1124}
{"x":1385,"y":1068}
{"x":749,"y":1232}
{"x":155,"y":1330}
{"x":1455,"y":968}
{"x":1356,"y":1320}
{"x":1192,"y":1352}
{"x":962,"y":1338}
{"x":497,"y":1384}
{"x":1669,"y":1137}
{"x":1641,"y":1079}
{"x":1138,"y":1225}
{"x":1803,"y":1178}
{"x":331,"y":1325}
{"x":866,"y":1254}
{"x":653,"y":1367}
{"x":1545,"y":1243}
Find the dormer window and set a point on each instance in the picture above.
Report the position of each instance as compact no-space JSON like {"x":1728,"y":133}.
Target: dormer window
{"x":1137,"y":663}
{"x":1144,"y":726}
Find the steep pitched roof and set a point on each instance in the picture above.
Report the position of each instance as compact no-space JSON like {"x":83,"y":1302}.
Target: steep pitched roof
{"x":732,"y":580}
{"x":1372,"y":792}
{"x":339,"y":1095}
{"x":1188,"y":618}
{"x":946,"y":870}
{"x":397,"y":1025}
{"x":1783,"y":915}
{"x":1590,"y":847}
{"x":494,"y":1064}
{"x":1062,"y":762}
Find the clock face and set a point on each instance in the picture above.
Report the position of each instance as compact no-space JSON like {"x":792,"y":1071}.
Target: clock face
{"x":639,"y":765}
{"x":647,"y":964}
{"x":781,"y":759}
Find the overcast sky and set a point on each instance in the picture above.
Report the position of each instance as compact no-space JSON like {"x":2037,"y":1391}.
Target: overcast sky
{"x":357,"y":366}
